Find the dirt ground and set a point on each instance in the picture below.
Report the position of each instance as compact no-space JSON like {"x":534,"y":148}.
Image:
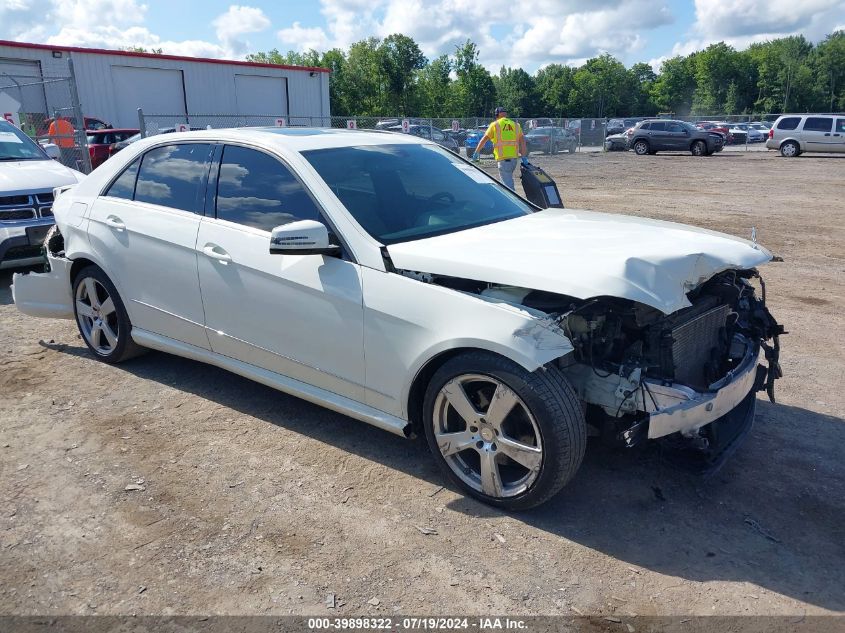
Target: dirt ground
{"x":254,"y":502}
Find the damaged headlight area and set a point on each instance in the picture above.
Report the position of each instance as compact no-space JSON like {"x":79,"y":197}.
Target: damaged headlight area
{"x":684,"y":376}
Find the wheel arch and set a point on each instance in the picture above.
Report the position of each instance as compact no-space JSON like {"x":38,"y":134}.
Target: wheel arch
{"x":791,"y":139}
{"x":435,"y":359}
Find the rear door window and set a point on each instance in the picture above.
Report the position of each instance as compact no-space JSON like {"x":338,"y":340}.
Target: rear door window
{"x":124,"y":186}
{"x":818,"y":124}
{"x":174,"y":176}
{"x":674,"y":127}
{"x":789,"y":123}
{"x":658,"y":126}
{"x":840,"y":126}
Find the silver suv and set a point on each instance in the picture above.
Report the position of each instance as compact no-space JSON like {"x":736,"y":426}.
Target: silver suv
{"x":794,"y":134}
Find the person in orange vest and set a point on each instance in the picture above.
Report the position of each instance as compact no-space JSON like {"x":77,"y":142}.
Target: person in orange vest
{"x":61,"y":132}
{"x":508,"y":145}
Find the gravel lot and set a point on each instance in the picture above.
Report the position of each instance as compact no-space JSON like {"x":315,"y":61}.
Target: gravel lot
{"x":254,"y":502}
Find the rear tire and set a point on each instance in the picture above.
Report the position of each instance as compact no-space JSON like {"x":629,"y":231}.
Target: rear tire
{"x":790,"y":149}
{"x":641,"y":148}
{"x":102,"y":318}
{"x":516,"y":455}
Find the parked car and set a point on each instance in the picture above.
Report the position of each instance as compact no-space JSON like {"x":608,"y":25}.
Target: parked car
{"x":617,"y":142}
{"x":531,"y":124}
{"x":137,"y":137}
{"x":472,"y":139}
{"x":386,"y":124}
{"x":618,"y":126}
{"x":460,"y":135}
{"x":794,"y":134}
{"x":658,"y":135}
{"x":431,"y":133}
{"x":550,"y":140}
{"x":762,"y":127}
{"x":28,"y":175}
{"x":752,"y":134}
{"x":390,"y":280}
{"x":722,"y":129}
{"x":101,"y":143}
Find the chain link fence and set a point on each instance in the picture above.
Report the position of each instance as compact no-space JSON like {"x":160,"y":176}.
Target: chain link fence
{"x":546,"y":135}
{"x":47,"y":109}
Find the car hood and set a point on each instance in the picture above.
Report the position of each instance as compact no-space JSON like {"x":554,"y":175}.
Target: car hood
{"x":585,"y":254}
{"x":24,"y":176}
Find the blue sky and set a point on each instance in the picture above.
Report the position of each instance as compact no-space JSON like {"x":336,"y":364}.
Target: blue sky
{"x":527,"y":34}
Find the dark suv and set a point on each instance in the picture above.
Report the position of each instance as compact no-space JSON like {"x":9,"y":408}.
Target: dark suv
{"x":667,"y":135}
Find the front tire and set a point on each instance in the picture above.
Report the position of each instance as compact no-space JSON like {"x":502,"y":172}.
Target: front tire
{"x":102,"y":318}
{"x":641,"y":148}
{"x":508,"y":437}
{"x":698,"y":149}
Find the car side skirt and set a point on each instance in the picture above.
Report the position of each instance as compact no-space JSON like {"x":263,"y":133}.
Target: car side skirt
{"x":316,"y":395}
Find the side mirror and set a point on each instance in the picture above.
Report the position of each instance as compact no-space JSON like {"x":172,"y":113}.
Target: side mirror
{"x":52,"y":150}
{"x":303,"y":237}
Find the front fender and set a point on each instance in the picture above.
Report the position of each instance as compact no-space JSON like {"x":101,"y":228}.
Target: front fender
{"x":408,"y":322}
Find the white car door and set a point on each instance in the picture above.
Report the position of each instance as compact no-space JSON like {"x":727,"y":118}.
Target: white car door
{"x":297,"y":315}
{"x":144,"y":230}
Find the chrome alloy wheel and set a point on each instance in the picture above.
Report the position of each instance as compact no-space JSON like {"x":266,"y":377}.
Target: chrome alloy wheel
{"x":487,"y":435}
{"x":96,"y":315}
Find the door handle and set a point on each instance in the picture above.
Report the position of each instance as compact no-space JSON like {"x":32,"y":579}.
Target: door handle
{"x":115,"y":222}
{"x":215,"y":252}
{"x":827,"y":133}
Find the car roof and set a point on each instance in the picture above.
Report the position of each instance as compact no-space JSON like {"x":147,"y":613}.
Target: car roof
{"x":300,"y":139}
{"x":109,"y":130}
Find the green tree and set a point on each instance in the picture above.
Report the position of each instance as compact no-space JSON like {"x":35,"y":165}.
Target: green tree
{"x":601,"y":88}
{"x":435,"y":90}
{"x":475,"y":93}
{"x":366,"y":83}
{"x":515,"y":91}
{"x":829,"y":66}
{"x":553,"y":84}
{"x":643,"y":78}
{"x":401,"y":57}
{"x":673,"y":89}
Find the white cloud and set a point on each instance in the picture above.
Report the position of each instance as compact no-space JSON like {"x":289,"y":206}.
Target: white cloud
{"x":741,"y":23}
{"x":303,"y":39}
{"x":547,"y":31}
{"x":236,"y":22}
{"x":120,"y":24}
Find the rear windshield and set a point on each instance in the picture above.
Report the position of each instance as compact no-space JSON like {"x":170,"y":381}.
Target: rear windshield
{"x":789,"y":123}
{"x":405,"y":192}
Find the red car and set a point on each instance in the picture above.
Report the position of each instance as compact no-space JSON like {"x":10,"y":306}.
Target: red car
{"x":710,"y":126}
{"x":101,"y":143}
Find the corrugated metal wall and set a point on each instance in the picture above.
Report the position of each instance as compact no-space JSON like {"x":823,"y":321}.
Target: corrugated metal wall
{"x":209,"y":87}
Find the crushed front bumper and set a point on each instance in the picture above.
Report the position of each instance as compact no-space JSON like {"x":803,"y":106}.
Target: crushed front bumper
{"x":678,"y":409}
{"x":45,"y":294}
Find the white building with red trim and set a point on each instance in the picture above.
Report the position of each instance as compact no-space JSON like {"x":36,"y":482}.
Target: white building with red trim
{"x":112,"y":84}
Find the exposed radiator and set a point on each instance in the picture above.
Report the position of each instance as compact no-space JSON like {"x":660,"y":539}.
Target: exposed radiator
{"x":693,"y":346}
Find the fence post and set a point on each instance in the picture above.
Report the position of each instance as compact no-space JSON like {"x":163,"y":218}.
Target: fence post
{"x":142,"y":126}
{"x":79,"y":130}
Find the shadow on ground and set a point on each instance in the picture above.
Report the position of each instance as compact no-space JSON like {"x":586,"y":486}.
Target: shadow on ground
{"x":774,"y":516}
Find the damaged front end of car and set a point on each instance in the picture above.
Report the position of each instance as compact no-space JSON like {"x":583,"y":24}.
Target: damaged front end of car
{"x":688,"y":378}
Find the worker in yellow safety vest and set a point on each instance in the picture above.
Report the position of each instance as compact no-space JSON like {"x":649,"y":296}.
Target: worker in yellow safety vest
{"x":508,"y":145}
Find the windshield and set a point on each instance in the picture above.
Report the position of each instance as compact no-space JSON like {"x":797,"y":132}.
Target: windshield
{"x":405,"y":192}
{"x":15,"y":145}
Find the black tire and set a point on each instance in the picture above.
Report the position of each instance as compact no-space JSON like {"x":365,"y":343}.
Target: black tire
{"x":124,"y":348}
{"x":550,"y":399}
{"x":698,"y":148}
{"x":790,"y":149}
{"x":641,"y":147}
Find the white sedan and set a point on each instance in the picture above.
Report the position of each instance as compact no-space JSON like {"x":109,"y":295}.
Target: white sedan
{"x":388,"y":279}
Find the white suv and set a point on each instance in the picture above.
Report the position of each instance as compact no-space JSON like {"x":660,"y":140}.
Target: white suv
{"x":386,"y":278}
{"x":794,"y":134}
{"x":28,"y":176}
